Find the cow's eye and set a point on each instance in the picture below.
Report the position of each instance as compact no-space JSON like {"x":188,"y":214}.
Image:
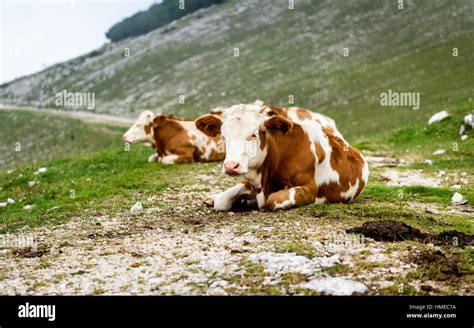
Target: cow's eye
{"x":253,"y":137}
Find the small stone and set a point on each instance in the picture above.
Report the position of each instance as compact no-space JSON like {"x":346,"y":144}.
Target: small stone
{"x":456,"y":187}
{"x":432,"y":211}
{"x":438,"y":117}
{"x":429,"y":162}
{"x":137,"y":208}
{"x":458,"y":199}
{"x":10,"y":201}
{"x":41,"y":170}
{"x":439,"y":152}
{"x":28,"y":207}
{"x":464,"y":137}
{"x":335,"y":286}
{"x":3,"y":204}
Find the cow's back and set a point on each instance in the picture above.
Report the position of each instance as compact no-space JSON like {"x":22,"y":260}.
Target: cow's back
{"x":341,"y":172}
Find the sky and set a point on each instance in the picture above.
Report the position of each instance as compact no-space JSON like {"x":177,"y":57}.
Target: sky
{"x":35,"y":34}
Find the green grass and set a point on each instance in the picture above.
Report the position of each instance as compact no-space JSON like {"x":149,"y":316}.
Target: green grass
{"x":28,"y":137}
{"x":104,"y":180}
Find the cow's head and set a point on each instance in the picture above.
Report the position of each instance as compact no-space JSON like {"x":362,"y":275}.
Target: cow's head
{"x":142,"y":130}
{"x":245,"y":132}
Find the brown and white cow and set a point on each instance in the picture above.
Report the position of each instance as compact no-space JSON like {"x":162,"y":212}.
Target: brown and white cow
{"x":284,"y":164}
{"x":175,"y":140}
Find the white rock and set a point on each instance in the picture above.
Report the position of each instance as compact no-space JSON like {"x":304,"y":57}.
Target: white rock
{"x":32,"y":183}
{"x":464,"y":137}
{"x":219,"y":284}
{"x":441,"y":173}
{"x":10,"y":171}
{"x":438,"y":117}
{"x":458,"y":199}
{"x":409,"y":178}
{"x":456,"y":187}
{"x":10,"y":201}
{"x":137,"y":208}
{"x":469,"y":120}
{"x":335,"y":286}
{"x":429,"y":161}
{"x":40,"y":170}
{"x":290,"y":262}
{"x":432,"y":211}
{"x":439,"y":152}
{"x":28,"y":207}
{"x":3,"y":204}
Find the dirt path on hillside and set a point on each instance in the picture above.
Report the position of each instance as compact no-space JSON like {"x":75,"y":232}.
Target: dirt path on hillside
{"x":178,"y":246}
{"x":88,"y":117}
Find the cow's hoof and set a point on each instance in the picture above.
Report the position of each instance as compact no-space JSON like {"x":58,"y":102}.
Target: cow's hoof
{"x":209,"y":202}
{"x":153,"y":158}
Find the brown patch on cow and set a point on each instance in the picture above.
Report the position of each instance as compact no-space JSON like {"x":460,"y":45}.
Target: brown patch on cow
{"x":263,"y":139}
{"x":209,"y":125}
{"x":288,"y":164}
{"x":320,"y":153}
{"x":214,"y":155}
{"x":303,"y":114}
{"x":348,"y":163}
{"x":217,"y":111}
{"x":172,"y":138}
{"x":148,"y":128}
{"x":172,"y":117}
{"x":276,"y":111}
{"x":278,"y":124}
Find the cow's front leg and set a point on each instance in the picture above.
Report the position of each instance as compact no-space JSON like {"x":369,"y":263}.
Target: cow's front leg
{"x":223,"y":201}
{"x":176,"y":159}
{"x":291,"y":197}
{"x":153,"y":158}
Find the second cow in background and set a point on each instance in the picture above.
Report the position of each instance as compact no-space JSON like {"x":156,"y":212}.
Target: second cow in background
{"x":175,"y":140}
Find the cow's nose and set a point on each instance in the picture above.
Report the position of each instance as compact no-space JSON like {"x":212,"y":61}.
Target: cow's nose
{"x":124,"y":138}
{"x":232,"y":168}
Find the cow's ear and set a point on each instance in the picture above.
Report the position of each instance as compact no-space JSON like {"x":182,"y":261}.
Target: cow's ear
{"x":278,"y":123}
{"x":209,"y":125}
{"x":159,"y":120}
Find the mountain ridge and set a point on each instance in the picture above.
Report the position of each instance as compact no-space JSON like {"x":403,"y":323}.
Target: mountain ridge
{"x":282,"y":54}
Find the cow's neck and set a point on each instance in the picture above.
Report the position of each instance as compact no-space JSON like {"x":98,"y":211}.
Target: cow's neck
{"x":151,"y":138}
{"x":271,"y":163}
{"x":282,"y":160}
{"x":260,"y":177}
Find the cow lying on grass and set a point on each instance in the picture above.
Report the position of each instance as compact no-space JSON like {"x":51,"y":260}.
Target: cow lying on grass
{"x":284,"y":164}
{"x":175,"y":140}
